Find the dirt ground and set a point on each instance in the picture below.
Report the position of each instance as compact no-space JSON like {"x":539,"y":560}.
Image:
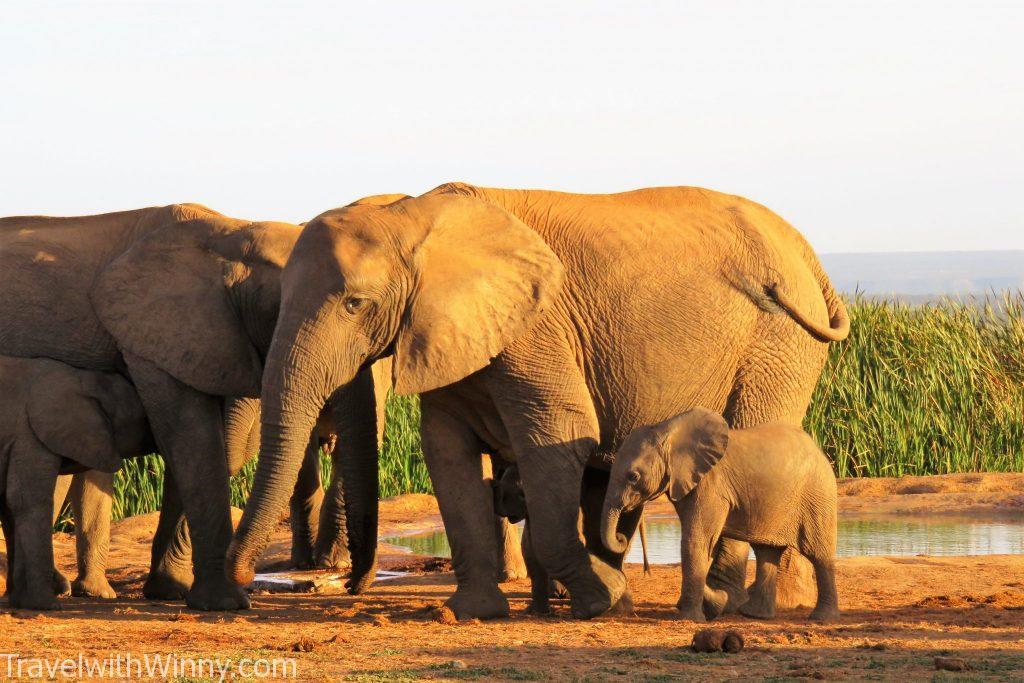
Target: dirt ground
{"x":899,"y":614}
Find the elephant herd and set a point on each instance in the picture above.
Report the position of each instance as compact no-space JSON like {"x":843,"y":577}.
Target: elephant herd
{"x":539,"y":328}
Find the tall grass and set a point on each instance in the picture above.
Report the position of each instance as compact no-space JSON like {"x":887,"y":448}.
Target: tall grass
{"x":138,"y":487}
{"x":927,"y":389}
{"x":915,"y":390}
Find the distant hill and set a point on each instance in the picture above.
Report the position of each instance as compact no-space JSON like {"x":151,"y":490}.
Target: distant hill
{"x":923,"y":275}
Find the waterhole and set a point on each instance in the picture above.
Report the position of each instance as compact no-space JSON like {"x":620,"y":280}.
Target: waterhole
{"x":864,"y":536}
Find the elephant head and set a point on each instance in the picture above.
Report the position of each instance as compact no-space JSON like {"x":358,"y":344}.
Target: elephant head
{"x":442,"y":282}
{"x":94,"y":419}
{"x":509,"y":497}
{"x":672,"y":456}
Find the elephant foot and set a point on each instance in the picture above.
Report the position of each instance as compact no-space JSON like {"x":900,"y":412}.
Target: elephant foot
{"x":302,"y":556}
{"x":478,"y":602}
{"x":93,"y":587}
{"x":61,"y":585}
{"x":824,"y":614}
{"x":715,"y":602}
{"x":511,"y":574}
{"x":512,"y":568}
{"x":216,"y":594}
{"x":735,"y":594}
{"x":168,"y":584}
{"x":42,"y":600}
{"x":624,"y":607}
{"x":594,"y":595}
{"x":758,"y":609}
{"x":335,"y":559}
{"x":694,"y":613}
{"x":729,"y":573}
{"x":538,"y":608}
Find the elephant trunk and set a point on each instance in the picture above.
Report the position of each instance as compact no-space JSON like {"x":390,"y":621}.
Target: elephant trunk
{"x":277,"y":470}
{"x":610,"y":535}
{"x":295,"y":388}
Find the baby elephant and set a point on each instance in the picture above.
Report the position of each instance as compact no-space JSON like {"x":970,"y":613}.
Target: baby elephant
{"x":55,"y":419}
{"x":510,"y":502}
{"x":768,"y":485}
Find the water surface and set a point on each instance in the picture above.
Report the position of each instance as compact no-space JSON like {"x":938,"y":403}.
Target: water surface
{"x":864,"y":536}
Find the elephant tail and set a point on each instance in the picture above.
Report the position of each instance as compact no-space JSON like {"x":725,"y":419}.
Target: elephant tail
{"x":838,"y":327}
{"x":643,"y":545}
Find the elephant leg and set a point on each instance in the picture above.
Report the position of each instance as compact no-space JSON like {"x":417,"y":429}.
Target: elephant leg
{"x":695,"y":555}
{"x":769,"y":391}
{"x":553,"y":429}
{"x":701,"y":523}
{"x":189,"y":429}
{"x":761,"y":603}
{"x":7,"y":524}
{"x":92,"y":497}
{"x":595,"y":485}
{"x":796,"y":583}
{"x":454,"y":461}
{"x":819,"y":546}
{"x":304,"y":508}
{"x":170,"y":568}
{"x":61,"y":585}
{"x":827,"y":607}
{"x":60,"y":494}
{"x":541,"y":588}
{"x":551,"y":484}
{"x":31,"y":576}
{"x":511,"y":565}
{"x":728,"y":572}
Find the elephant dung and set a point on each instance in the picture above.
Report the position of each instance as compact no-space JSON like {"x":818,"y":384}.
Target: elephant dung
{"x":717,"y":640}
{"x":951,"y":664}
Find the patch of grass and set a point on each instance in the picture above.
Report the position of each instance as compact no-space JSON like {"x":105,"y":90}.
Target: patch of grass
{"x":514,"y":674}
{"x":930,"y":389}
{"x":687,"y":657}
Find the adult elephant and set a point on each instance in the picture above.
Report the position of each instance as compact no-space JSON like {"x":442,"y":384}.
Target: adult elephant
{"x":319,"y":533}
{"x":182,"y":300}
{"x":543,"y":327}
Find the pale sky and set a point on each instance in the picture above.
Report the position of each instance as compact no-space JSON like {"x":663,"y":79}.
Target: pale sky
{"x":869,"y":126}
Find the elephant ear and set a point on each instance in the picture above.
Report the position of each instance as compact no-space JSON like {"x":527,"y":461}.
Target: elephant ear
{"x":699,"y":441}
{"x":482,"y":278}
{"x":166,"y":298}
{"x":70,"y":421}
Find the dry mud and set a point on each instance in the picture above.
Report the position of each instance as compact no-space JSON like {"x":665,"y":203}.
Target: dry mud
{"x":899,"y":614}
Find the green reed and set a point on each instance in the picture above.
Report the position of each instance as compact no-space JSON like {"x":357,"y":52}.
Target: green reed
{"x":138,"y":487}
{"x":929,"y":389}
{"x":926,"y":389}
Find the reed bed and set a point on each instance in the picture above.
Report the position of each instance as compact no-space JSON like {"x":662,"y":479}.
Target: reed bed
{"x":930,"y":389}
{"x":916,"y":389}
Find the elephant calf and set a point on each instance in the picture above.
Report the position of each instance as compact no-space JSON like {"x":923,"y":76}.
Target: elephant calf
{"x":55,"y":419}
{"x":510,"y":503}
{"x":769,"y":485}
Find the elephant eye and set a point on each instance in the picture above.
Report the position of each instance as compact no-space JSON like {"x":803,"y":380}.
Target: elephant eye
{"x":353,"y":304}
{"x":634,"y":477}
